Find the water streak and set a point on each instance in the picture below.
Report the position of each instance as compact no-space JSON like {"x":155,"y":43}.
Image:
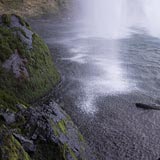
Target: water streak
{"x":115,"y":18}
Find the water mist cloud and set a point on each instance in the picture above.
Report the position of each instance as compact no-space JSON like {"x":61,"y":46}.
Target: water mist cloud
{"x":114,"y":18}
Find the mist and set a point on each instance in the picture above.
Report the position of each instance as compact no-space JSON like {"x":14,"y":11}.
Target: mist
{"x":116,"y":19}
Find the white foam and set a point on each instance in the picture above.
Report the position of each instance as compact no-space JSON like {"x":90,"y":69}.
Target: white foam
{"x":79,"y":58}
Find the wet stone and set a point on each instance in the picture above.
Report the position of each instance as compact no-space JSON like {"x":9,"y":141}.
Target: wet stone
{"x":26,"y":143}
{"x":9,"y":118}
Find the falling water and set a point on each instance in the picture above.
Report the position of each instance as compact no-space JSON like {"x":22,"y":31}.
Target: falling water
{"x":112,"y":20}
{"x":104,"y":18}
{"x":105,"y":74}
{"x":115,"y":18}
{"x":152,"y":16}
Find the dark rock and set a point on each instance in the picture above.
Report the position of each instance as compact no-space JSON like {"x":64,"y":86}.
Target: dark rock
{"x":15,"y":21}
{"x":20,"y":107}
{"x":26,"y":143}
{"x":22,"y":31}
{"x":51,"y":126}
{"x":10,"y":148}
{"x":27,"y":39}
{"x":16,"y":64}
{"x":45,"y":131}
{"x":9,"y":118}
{"x":32,"y":68}
{"x":148,"y":106}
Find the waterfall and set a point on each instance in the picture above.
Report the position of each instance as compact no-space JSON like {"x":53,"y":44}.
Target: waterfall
{"x":152,"y":16}
{"x":115,"y":18}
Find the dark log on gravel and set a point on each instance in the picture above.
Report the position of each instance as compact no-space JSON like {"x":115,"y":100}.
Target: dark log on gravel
{"x":148,"y":106}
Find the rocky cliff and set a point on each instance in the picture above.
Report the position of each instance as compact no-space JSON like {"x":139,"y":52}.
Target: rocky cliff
{"x":26,"y":67}
{"x":27,"y":72}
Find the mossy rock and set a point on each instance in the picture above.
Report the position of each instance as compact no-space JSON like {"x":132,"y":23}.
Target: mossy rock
{"x":8,"y":100}
{"x":54,"y":134}
{"x":36,"y":71}
{"x":10,"y":148}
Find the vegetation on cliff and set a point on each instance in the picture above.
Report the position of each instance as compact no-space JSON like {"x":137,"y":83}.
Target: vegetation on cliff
{"x":11,"y":149}
{"x":26,"y":66}
{"x":27,"y":72}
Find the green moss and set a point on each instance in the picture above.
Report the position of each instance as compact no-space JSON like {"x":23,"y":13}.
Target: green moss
{"x":72,"y":154}
{"x":23,"y":22}
{"x":9,"y":91}
{"x":67,"y":150}
{"x":58,"y":127}
{"x":9,"y":43}
{"x":10,"y":148}
{"x":8,"y":100}
{"x":6,"y":19}
{"x":81,"y":138}
{"x":15,"y":29}
{"x":54,"y":127}
{"x":62,"y":126}
{"x":5,"y":37}
{"x":39,"y":63}
{"x":43,"y":74}
{"x":64,"y":150}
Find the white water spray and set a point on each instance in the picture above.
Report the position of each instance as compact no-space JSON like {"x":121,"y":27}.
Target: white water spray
{"x":152,"y":16}
{"x":95,"y":45}
{"x":115,"y":18}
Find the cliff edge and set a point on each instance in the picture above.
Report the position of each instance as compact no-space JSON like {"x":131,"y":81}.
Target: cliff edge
{"x":27,"y":72}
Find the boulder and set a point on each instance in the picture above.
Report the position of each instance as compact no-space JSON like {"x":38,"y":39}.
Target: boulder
{"x":23,"y":32}
{"x":26,"y":143}
{"x":48,"y":125}
{"x":10,"y":148}
{"x":27,"y":71}
{"x":8,"y":118}
{"x":17,"y":65}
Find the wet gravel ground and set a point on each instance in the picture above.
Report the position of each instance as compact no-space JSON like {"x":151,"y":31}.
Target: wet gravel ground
{"x":101,"y":82}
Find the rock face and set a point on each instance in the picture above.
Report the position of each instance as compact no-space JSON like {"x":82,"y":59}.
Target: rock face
{"x":49,"y":124}
{"x":10,"y":148}
{"x":16,"y":65}
{"x":44,"y":133}
{"x":26,"y":66}
{"x":9,"y":117}
{"x":28,"y":145}
{"x":27,"y":71}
